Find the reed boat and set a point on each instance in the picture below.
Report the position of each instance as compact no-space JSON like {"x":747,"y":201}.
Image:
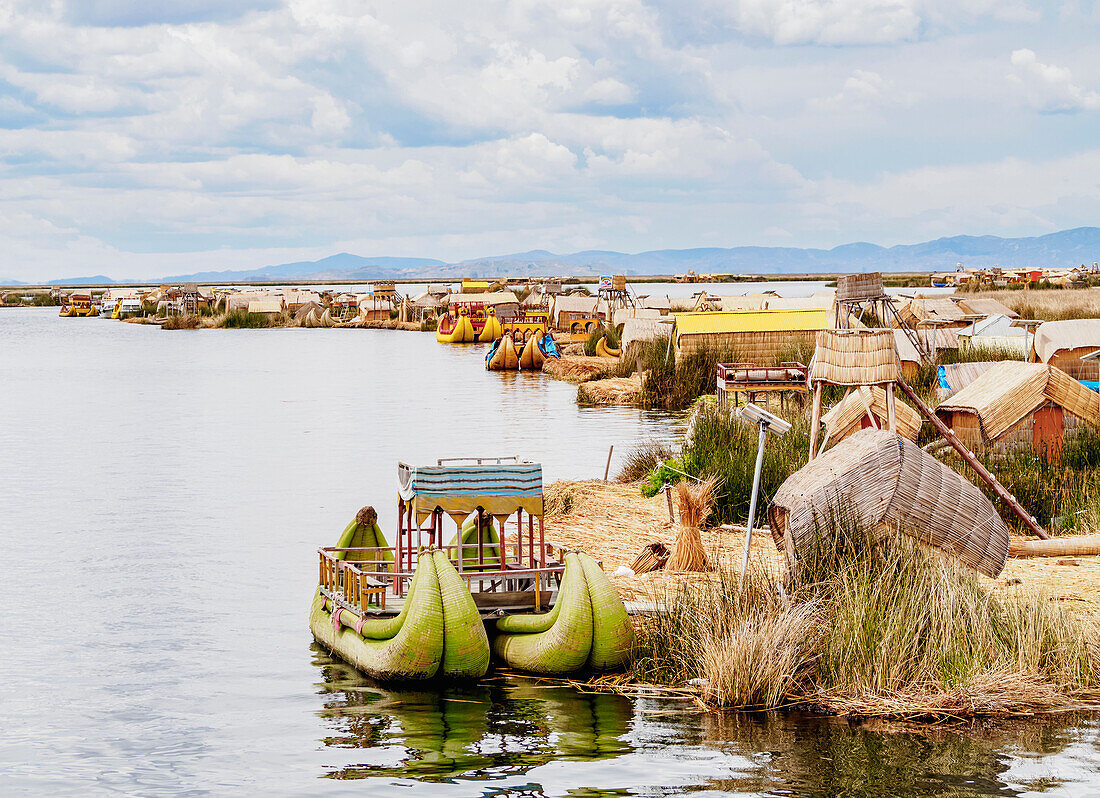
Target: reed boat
{"x":78,"y":306}
{"x":502,"y":355}
{"x":492,"y":329}
{"x":531,"y":357}
{"x":424,"y":609}
{"x":416,"y":610}
{"x":455,"y":329}
{"x":603,"y":350}
{"x":506,"y":355}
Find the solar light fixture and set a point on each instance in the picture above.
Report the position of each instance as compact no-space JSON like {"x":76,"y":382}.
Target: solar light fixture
{"x":758,"y":415}
{"x":777,"y":426}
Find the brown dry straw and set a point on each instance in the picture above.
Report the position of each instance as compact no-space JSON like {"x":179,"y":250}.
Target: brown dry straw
{"x":694,"y":501}
{"x":653,"y":557}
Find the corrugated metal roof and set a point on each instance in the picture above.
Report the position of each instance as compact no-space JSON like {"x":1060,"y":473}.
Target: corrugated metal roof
{"x":731,"y":321}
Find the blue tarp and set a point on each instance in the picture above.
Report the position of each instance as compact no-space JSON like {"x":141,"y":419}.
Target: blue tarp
{"x":943,"y":378}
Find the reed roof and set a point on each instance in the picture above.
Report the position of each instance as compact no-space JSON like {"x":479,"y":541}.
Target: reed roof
{"x":935,"y":309}
{"x":1009,"y":391}
{"x":266,"y":305}
{"x":644,"y":330}
{"x":986,"y":307}
{"x":846,"y":416}
{"x":855,"y":357}
{"x":742,"y":302}
{"x":956,"y":376}
{"x":888,"y":486}
{"x":574,"y":304}
{"x":907,"y":353}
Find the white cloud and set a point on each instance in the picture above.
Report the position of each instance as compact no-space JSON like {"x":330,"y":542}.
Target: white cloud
{"x":995,"y":196}
{"x":1048,"y":87}
{"x":833,"y":22}
{"x":453,"y":130}
{"x":862,"y":90}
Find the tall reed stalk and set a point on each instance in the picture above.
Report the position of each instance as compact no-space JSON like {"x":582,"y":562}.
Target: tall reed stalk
{"x":869,"y":626}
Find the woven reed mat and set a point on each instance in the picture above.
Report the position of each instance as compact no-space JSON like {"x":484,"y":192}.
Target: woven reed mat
{"x":614,"y":522}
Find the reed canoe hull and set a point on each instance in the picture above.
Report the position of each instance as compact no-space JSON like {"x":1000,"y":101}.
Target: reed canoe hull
{"x":531,"y":358}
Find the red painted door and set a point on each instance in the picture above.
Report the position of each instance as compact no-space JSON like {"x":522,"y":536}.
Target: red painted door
{"x":1047,"y":432}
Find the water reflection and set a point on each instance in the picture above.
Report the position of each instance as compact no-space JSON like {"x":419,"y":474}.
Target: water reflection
{"x":517,"y":737}
{"x":486,"y":730}
{"x":825,"y":756}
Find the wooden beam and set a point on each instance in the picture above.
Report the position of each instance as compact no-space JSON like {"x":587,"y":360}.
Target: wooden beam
{"x":815,"y":419}
{"x":1029,"y":521}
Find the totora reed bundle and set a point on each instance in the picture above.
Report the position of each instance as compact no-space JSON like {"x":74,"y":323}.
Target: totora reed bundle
{"x":694,"y":501}
{"x":653,"y":557}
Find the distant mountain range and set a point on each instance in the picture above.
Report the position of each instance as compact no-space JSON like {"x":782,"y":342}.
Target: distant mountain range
{"x":1064,"y":248}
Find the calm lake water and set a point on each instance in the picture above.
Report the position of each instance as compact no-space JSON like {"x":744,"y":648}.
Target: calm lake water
{"x":162,"y":496}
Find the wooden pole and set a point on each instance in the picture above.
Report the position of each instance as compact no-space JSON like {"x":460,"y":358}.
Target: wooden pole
{"x":668,"y":495}
{"x":1029,"y":521}
{"x":607,"y":468}
{"x":891,"y":415}
{"x":815,"y":419}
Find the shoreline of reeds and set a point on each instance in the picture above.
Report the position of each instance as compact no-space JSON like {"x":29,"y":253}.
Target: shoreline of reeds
{"x":864,"y":629}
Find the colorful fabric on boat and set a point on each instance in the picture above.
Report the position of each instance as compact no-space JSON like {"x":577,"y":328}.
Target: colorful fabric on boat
{"x":498,"y":489}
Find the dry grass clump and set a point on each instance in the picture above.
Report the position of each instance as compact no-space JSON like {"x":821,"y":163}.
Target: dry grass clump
{"x":576,"y":368}
{"x":614,"y":391}
{"x":1048,"y":304}
{"x":558,"y":498}
{"x":642,"y":459}
{"x":694,"y":502}
{"x":749,"y":646}
{"x":190,"y":321}
{"x":872,"y":628}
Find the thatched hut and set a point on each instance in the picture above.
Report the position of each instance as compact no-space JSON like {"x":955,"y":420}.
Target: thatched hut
{"x":867,"y":407}
{"x":756,"y":335}
{"x":985,"y":307}
{"x":1062,"y":344}
{"x":567,"y":310}
{"x":269,"y":306}
{"x":1015,"y":405}
{"x":888,"y":486}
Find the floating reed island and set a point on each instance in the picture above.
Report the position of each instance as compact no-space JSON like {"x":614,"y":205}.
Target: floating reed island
{"x":929,"y":549}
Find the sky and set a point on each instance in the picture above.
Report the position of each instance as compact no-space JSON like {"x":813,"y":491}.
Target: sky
{"x":146,"y":138}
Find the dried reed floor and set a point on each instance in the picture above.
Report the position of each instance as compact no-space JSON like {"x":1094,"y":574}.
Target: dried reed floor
{"x":614,"y":522}
{"x":1075,"y":581}
{"x":577,"y":368}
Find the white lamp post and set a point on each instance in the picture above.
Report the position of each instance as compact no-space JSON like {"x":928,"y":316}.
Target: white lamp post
{"x":766,"y":421}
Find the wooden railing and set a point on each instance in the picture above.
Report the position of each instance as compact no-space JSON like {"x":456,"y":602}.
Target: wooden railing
{"x":364,"y":577}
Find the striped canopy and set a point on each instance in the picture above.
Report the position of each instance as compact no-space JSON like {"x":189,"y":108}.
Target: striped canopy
{"x":497,"y":488}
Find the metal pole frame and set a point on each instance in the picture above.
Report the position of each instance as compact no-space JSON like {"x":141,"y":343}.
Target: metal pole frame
{"x":755,"y":494}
